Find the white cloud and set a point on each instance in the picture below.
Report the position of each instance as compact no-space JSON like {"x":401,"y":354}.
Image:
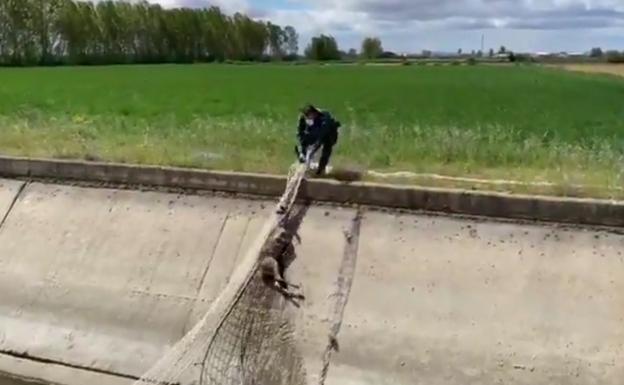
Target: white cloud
{"x":535,"y":14}
{"x":411,"y":25}
{"x":229,"y":6}
{"x":323,"y":21}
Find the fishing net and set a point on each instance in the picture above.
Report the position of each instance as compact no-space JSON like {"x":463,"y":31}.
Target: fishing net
{"x":247,"y":335}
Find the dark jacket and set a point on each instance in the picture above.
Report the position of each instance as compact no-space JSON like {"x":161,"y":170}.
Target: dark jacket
{"x":323,"y":131}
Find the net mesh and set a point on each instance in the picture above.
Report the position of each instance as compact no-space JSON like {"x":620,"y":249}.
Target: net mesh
{"x":247,"y":335}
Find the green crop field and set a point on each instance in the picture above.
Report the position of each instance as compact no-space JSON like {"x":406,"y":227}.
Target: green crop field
{"x":525,"y":123}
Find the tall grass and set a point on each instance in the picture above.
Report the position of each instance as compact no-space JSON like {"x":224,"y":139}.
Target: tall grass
{"x":265,"y":145}
{"x":515,"y":123}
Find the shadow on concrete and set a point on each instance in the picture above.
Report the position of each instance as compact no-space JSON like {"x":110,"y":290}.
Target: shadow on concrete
{"x":291,"y":224}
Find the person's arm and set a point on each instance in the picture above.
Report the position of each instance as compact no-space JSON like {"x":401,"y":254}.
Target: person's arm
{"x":301,"y":129}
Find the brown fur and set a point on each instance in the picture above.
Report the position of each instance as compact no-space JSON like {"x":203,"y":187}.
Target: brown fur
{"x":279,"y":253}
{"x":272,"y":277}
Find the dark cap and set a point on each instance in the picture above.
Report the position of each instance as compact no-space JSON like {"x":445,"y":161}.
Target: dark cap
{"x":309,"y":109}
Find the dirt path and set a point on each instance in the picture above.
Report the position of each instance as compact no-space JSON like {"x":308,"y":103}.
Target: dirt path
{"x":612,"y":69}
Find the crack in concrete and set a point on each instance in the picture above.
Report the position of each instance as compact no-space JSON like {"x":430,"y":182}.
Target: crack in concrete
{"x":212,"y":254}
{"x":41,"y":360}
{"x":239,"y":247}
{"x":13,"y":202}
{"x":205,"y":274}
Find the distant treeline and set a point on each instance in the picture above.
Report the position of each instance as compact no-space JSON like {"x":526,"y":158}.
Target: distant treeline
{"x":53,"y":32}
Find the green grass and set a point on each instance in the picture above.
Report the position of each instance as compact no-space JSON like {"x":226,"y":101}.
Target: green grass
{"x":525,"y":123}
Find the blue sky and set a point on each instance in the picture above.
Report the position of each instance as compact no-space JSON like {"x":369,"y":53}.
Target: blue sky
{"x":414,"y":25}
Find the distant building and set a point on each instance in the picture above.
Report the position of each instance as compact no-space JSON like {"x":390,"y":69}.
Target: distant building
{"x":559,"y":55}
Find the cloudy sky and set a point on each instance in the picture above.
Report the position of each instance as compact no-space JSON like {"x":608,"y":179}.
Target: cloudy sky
{"x":414,"y":25}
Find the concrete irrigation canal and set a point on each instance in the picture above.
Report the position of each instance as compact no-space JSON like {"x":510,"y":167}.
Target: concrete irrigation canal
{"x":96,"y":284}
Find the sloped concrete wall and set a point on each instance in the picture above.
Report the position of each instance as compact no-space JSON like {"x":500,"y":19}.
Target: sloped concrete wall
{"x":105,"y":280}
{"x":109,"y":278}
{"x":448,"y":301}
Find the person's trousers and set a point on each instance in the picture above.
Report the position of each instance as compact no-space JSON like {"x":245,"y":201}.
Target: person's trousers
{"x":326,"y":147}
{"x":325,"y":156}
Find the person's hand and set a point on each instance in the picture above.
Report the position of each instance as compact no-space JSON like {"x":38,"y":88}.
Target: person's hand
{"x":299,"y":155}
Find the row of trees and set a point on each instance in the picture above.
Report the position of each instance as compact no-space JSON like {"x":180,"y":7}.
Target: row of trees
{"x":47,"y":32}
{"x":76,"y":32}
{"x":612,"y":56}
{"x":325,"y":47}
{"x":491,"y":53}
